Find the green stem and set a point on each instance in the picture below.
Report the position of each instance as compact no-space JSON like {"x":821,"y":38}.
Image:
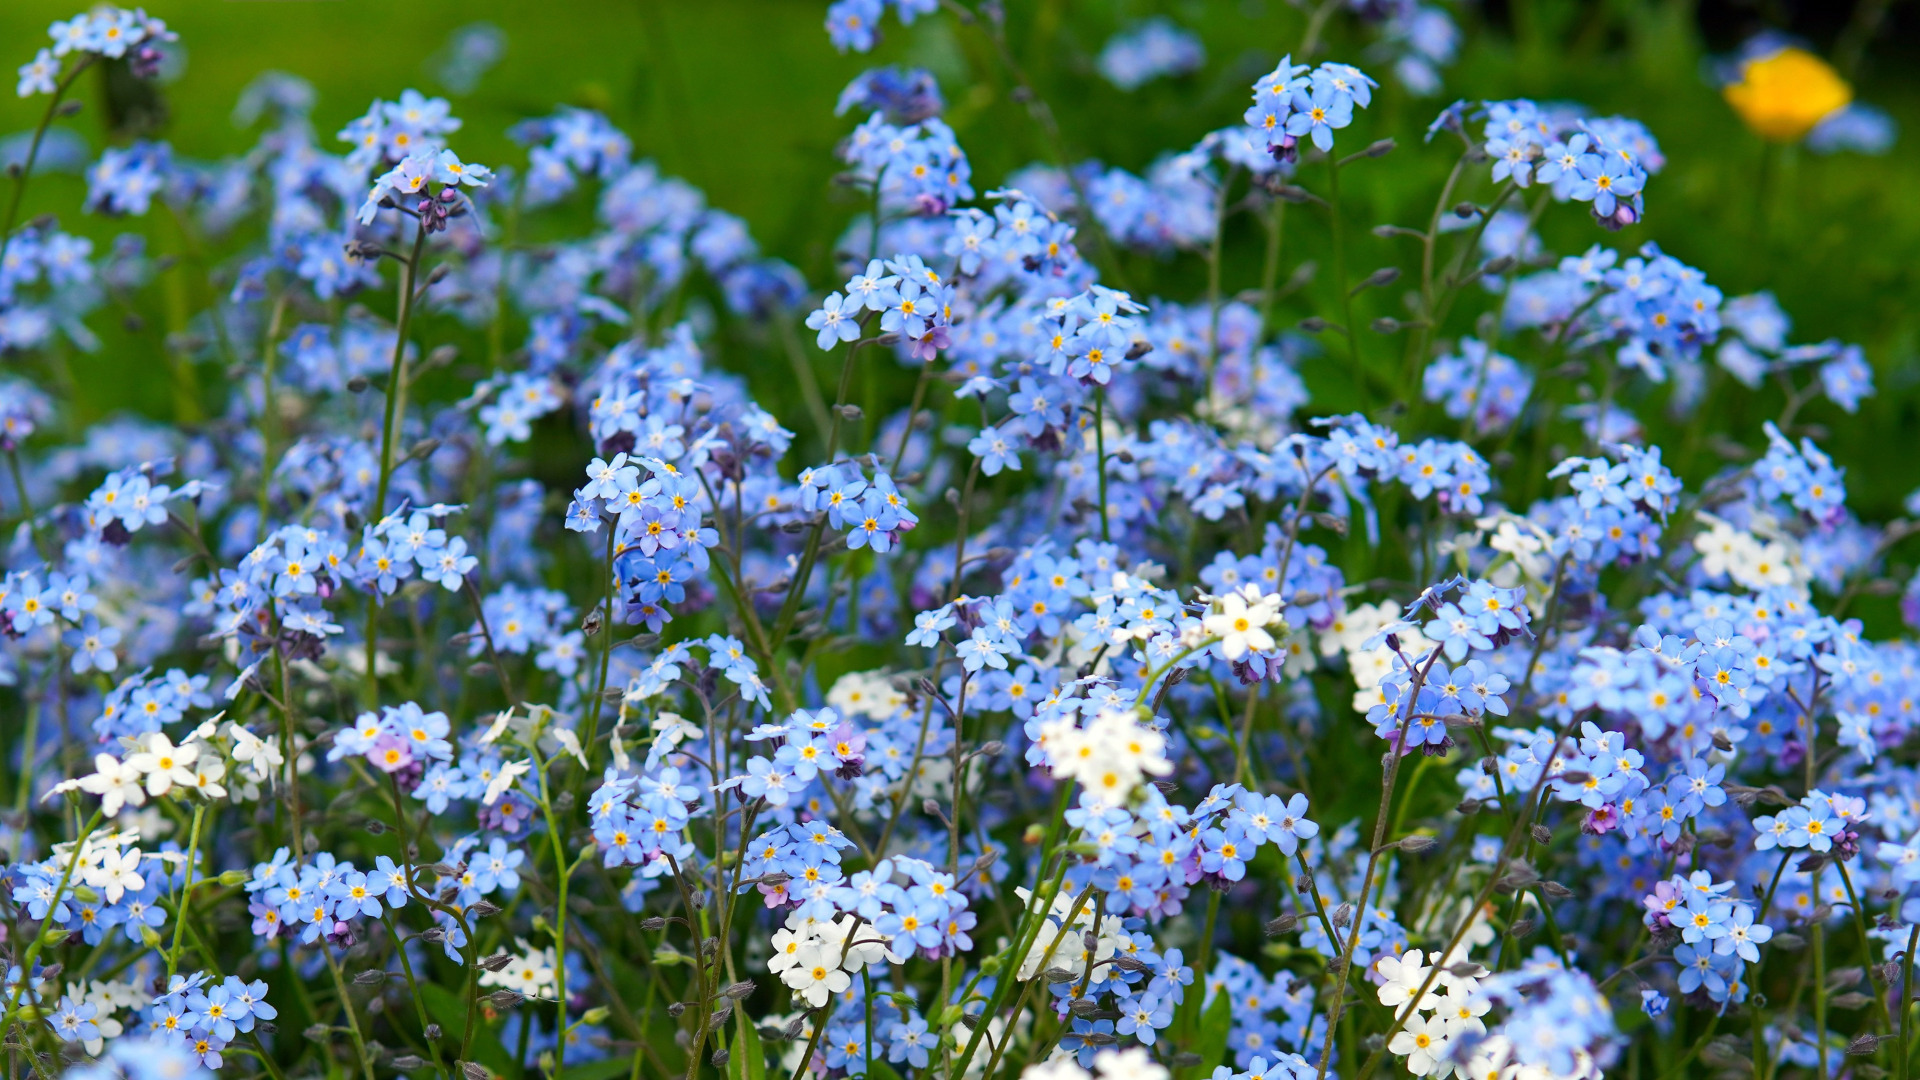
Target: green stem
{"x":591,"y":735}
{"x":1820,"y":988}
{"x":563,"y":874}
{"x":186,"y":890}
{"x":1270,"y":269}
{"x":397,"y":371}
{"x":26,"y":504}
{"x":1340,"y":281}
{"x":1031,"y":922}
{"x":33,"y":151}
{"x":1100,"y":447}
{"x":346,"y":1006}
{"x":267,"y":412}
{"x":413,"y":990}
{"x":40,"y":940}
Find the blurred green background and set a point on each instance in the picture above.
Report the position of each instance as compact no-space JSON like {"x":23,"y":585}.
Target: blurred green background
{"x":737,"y":97}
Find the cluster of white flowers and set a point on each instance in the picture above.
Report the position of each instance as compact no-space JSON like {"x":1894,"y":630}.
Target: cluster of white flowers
{"x":1109,"y":757}
{"x":1750,"y":561}
{"x":866,"y":693}
{"x":108,"y":998}
{"x":1061,"y":943}
{"x":818,"y":959}
{"x":1450,"y":1007}
{"x":533,"y":972}
{"x":1133,"y":1063}
{"x":1240,"y":620}
{"x":1348,"y":634}
{"x":153,"y":766}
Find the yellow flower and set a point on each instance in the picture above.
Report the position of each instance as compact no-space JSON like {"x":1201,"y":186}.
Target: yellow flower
{"x":1783,"y":94}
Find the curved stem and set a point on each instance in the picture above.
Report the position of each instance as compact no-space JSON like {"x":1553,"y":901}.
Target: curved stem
{"x":1340,"y":281}
{"x":33,"y":151}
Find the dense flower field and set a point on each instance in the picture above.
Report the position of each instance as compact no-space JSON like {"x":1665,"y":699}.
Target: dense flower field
{"x":1104,"y":707}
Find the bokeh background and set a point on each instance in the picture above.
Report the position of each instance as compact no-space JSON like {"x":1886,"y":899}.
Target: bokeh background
{"x":737,"y":97}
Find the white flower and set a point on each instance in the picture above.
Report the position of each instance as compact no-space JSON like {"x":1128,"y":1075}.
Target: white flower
{"x":1423,"y":1041}
{"x":165,"y":764}
{"x":116,"y":782}
{"x":816,"y":976}
{"x":1109,"y":757}
{"x":115,"y":873}
{"x":1489,"y":1061}
{"x":497,"y":728}
{"x":262,"y":756}
{"x":1242,"y":626}
{"x":1403,"y":975}
{"x":1461,"y":1010}
{"x":508,"y":774}
{"x":867,"y":947}
{"x":570,"y":743}
{"x":865,"y":693}
{"x":1352,"y":627}
{"x":531,"y":972}
{"x":1133,"y":1063}
{"x":787,"y":949}
{"x":1765,"y":566}
{"x":1722,"y":545}
{"x":207,"y":775}
{"x":1060,"y":1068}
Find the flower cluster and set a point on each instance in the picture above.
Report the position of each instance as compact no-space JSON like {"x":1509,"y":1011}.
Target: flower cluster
{"x":515,"y":668}
{"x":106,"y":32}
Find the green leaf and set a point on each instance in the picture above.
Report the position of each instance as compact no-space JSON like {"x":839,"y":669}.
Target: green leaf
{"x":882,"y":1071}
{"x":749,"y":1057}
{"x":1214,"y":1024}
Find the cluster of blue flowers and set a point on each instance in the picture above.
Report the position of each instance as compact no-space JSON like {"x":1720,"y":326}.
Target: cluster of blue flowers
{"x":975,"y":732}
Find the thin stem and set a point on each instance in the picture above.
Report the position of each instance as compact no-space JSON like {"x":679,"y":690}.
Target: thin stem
{"x":26,"y":504}
{"x":592,"y":728}
{"x":397,"y":370}
{"x":186,"y":890}
{"x":1270,"y":269}
{"x":1340,"y":285}
{"x":268,"y":418}
{"x":33,"y":151}
{"x":346,"y":1006}
{"x":39,"y":941}
{"x":1213,"y":273}
{"x":1100,"y":447}
{"x":1906,"y":1000}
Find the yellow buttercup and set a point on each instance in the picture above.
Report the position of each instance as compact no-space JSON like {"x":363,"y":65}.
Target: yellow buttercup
{"x":1783,"y":94}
